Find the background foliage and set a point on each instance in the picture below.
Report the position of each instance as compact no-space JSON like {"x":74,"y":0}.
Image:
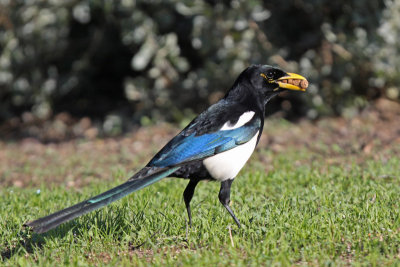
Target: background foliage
{"x":137,"y":61}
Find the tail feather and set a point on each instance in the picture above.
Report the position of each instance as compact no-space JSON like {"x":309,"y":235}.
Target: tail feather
{"x":53,"y":220}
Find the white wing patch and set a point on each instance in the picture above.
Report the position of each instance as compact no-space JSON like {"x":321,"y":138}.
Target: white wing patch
{"x":226,"y":165}
{"x":243,"y":119}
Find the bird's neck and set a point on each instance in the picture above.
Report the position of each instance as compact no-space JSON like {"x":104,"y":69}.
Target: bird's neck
{"x":270,"y":96}
{"x":245,"y":95}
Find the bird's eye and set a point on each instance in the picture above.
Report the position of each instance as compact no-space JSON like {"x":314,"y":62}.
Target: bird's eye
{"x":270,"y":74}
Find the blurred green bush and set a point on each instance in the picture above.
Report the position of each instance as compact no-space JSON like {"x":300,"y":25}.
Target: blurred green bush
{"x":150,"y":60}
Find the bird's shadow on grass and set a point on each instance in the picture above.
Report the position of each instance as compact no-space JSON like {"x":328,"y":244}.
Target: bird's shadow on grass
{"x":114,"y":224}
{"x":22,"y":243}
{"x":26,"y":241}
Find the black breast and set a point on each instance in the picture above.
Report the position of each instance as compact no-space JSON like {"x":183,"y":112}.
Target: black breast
{"x":192,"y":170}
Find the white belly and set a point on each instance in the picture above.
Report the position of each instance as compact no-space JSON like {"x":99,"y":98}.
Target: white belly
{"x":227,"y":165}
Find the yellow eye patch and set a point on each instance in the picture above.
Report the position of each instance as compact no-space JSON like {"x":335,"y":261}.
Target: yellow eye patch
{"x":265,"y":77}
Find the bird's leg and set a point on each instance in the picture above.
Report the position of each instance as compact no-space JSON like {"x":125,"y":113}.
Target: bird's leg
{"x":187,"y":197}
{"x":224,"y":198}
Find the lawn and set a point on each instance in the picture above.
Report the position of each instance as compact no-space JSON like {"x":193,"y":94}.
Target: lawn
{"x":325,"y":193}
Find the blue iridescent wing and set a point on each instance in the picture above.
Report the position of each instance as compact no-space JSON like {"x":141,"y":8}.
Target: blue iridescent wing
{"x":183,"y":149}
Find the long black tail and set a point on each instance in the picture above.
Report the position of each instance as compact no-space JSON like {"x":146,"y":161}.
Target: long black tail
{"x":135,"y":183}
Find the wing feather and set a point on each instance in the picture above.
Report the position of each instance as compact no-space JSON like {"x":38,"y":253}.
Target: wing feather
{"x":183,"y":149}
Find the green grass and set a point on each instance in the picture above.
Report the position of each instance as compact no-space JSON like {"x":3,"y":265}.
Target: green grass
{"x":302,"y":212}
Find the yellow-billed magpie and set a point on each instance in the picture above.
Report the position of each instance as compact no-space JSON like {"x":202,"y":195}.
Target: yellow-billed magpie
{"x":214,"y":146}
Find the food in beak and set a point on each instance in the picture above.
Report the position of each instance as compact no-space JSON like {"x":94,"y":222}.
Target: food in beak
{"x":301,"y":83}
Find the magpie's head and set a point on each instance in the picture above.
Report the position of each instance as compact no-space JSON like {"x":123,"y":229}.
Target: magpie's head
{"x":267,"y":81}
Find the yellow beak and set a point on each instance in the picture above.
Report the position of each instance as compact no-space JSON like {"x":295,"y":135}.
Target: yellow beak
{"x":293,"y":81}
